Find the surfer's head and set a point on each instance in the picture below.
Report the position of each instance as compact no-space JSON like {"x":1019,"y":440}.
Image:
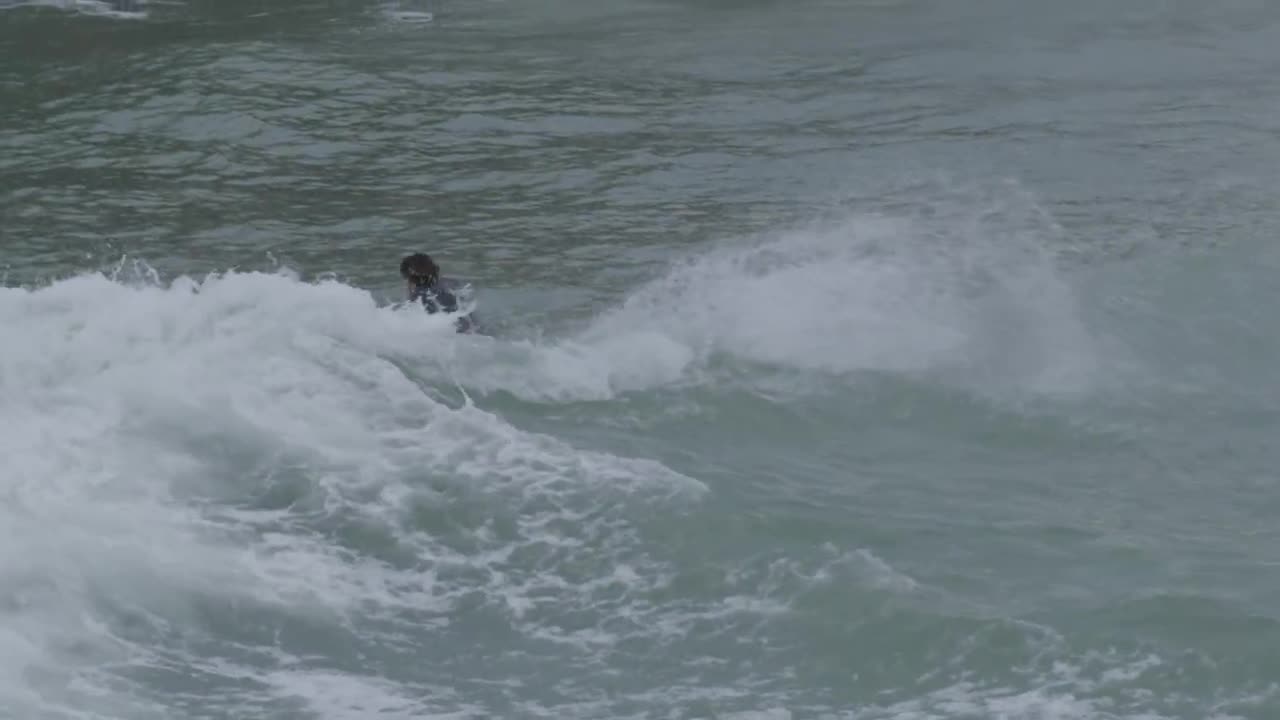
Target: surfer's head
{"x":419,"y":270}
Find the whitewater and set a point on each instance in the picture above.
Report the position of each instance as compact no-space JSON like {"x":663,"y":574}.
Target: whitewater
{"x":843,"y":361}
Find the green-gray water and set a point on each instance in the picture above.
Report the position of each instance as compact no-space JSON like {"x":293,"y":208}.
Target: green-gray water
{"x":871,"y":360}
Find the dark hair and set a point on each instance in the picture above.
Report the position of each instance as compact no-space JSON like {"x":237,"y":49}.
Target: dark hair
{"x":420,"y":268}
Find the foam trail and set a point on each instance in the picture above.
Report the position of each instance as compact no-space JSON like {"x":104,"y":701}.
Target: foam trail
{"x":966,"y":294}
{"x":869,"y":294}
{"x":114,"y":9}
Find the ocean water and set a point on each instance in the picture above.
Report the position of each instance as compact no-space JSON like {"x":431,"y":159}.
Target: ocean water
{"x":857,"y":360}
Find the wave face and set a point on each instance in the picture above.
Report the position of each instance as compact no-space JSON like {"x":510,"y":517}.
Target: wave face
{"x":195,"y":464}
{"x":249,"y":495}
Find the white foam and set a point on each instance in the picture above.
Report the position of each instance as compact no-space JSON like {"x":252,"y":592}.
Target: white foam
{"x":341,"y":695}
{"x":964,"y":293}
{"x":139,"y":422}
{"x":1085,"y":687}
{"x":118,"y":10}
{"x":967,"y":700}
{"x":869,"y":293}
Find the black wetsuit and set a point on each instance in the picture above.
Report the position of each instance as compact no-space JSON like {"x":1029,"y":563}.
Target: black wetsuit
{"x":436,"y":299}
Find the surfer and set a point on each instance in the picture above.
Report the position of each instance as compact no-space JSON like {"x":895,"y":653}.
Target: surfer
{"x":425,"y":286}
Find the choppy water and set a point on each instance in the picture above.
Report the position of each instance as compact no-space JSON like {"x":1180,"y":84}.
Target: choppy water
{"x":885,"y":360}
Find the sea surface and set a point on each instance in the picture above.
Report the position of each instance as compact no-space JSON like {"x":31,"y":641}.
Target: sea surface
{"x":843,"y":360}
